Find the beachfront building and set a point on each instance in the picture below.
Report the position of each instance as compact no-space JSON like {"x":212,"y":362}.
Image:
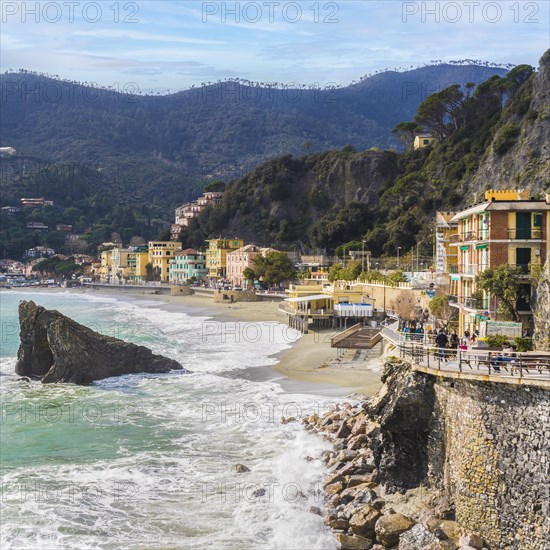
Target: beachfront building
{"x":423,"y":140}
{"x":241,"y":259}
{"x":507,"y":228}
{"x":160,"y":254}
{"x":187,"y":265}
{"x":186,"y":212}
{"x":216,"y":257}
{"x":334,"y":305}
{"x":105,"y":268}
{"x":446,"y":256}
{"x":138,"y":258}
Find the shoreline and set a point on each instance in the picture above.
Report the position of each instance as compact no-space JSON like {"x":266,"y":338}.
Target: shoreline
{"x":307,"y":365}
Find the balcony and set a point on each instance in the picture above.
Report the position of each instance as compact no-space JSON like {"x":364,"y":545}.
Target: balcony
{"x":469,"y":236}
{"x":479,"y":304}
{"x":525,"y":233}
{"x":468,"y":269}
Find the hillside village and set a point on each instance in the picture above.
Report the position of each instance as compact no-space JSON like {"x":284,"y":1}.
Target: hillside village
{"x":507,"y":228}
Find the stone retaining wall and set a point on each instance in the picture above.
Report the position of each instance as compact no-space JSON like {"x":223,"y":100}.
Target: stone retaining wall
{"x":490,"y":452}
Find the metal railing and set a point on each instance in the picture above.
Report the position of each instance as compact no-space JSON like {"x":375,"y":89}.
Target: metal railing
{"x":525,"y":233}
{"x":531,"y":365}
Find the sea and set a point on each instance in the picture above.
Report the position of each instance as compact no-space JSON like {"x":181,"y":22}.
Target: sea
{"x":148,"y":461}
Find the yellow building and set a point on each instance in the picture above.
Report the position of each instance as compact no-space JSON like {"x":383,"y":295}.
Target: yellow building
{"x":445,"y":256}
{"x":216,"y":256}
{"x":160,"y":254}
{"x":423,"y":140}
{"x":105,"y":268}
{"x":114,"y":265}
{"x":325,"y":296}
{"x":119,"y":264}
{"x":138,"y":258}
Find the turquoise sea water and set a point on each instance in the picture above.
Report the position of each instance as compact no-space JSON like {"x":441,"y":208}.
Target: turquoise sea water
{"x":146,"y":461}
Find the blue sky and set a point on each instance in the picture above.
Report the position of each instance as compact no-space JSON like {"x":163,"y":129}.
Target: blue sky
{"x":171,"y":45}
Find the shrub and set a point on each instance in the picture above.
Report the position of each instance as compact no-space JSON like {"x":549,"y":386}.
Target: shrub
{"x":496,"y":340}
{"x":523,"y":344}
{"x":506,"y":138}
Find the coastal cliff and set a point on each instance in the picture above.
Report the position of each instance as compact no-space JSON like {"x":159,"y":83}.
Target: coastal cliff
{"x":55,"y":348}
{"x":477,"y":451}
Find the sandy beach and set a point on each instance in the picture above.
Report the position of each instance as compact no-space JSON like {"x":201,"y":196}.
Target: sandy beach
{"x":310,"y":360}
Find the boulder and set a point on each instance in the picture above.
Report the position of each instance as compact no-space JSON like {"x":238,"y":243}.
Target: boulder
{"x":389,"y":527}
{"x":363,"y":521}
{"x":357,"y":442}
{"x":472,"y":541}
{"x":343,"y":431}
{"x":353,"y":542}
{"x":417,"y":537}
{"x":334,"y":488}
{"x":57,"y":349}
{"x":241,"y":468}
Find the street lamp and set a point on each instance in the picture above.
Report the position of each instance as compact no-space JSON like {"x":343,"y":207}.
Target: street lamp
{"x":363,"y":257}
{"x":398,"y":249}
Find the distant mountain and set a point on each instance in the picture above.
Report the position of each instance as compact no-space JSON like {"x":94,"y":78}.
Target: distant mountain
{"x":497,"y":136}
{"x":220,"y":130}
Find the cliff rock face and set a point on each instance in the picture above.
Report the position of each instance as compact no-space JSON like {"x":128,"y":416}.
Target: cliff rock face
{"x":527,"y":163}
{"x":58,"y":349}
{"x":404,"y":412}
{"x":542,"y":312}
{"x":280,"y":200}
{"x":484,"y":446}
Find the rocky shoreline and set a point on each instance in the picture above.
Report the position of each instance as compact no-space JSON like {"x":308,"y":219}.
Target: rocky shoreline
{"x":377,"y":493}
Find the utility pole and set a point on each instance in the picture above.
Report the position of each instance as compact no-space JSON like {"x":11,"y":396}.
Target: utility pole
{"x":363,"y":257}
{"x":398,"y":249}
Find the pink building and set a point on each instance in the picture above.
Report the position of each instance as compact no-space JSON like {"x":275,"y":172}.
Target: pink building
{"x":238,"y":260}
{"x":186,"y":212}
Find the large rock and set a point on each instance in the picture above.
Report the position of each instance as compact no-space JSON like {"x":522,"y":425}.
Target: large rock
{"x":363,"y":521}
{"x":55,"y":348}
{"x":388,"y":528}
{"x":417,"y":537}
{"x":353,"y":542}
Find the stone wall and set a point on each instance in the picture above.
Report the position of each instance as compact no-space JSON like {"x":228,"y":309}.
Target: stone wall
{"x":490,"y":453}
{"x":233,"y":296}
{"x":542,"y":312}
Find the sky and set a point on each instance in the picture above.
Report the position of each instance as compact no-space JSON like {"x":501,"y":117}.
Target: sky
{"x":170,"y":45}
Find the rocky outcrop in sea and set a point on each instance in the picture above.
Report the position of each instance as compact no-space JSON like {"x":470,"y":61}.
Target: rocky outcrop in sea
{"x":54,"y":348}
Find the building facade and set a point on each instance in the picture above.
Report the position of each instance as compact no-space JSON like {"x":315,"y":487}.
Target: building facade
{"x":138,"y":258}
{"x":446,"y":256}
{"x":160,"y":254}
{"x":187,"y":265}
{"x":241,"y":259}
{"x":216,"y":257}
{"x":185,"y":213}
{"x":508,"y":228}
{"x":423,"y":140}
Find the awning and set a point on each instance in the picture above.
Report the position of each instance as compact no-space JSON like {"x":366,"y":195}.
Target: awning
{"x":465,"y":247}
{"x":308,"y":298}
{"x":481,"y":246}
